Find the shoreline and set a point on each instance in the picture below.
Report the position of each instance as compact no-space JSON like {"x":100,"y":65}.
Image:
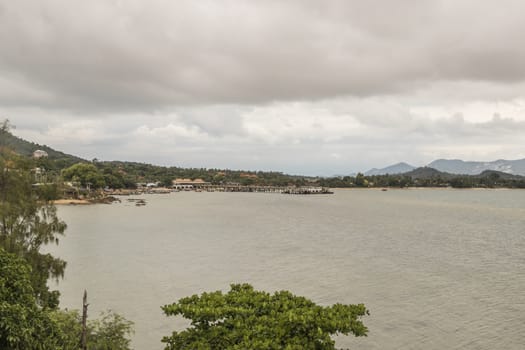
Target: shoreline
{"x":110,"y":199}
{"x":72,"y":202}
{"x":428,"y":188}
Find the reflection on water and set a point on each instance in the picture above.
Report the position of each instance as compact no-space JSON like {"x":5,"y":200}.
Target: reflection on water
{"x":439,"y":269}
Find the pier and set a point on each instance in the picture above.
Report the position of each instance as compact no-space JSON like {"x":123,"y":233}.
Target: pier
{"x":207,"y":187}
{"x":263,"y":189}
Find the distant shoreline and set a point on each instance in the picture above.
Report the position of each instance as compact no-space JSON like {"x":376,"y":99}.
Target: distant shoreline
{"x":427,"y":188}
{"x":110,"y":199}
{"x":72,"y":202}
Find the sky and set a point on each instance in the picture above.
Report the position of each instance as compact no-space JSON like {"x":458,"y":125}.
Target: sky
{"x":299,"y":86}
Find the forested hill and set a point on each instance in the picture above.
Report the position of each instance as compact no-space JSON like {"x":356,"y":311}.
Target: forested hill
{"x":122,"y":173}
{"x":26,"y":148}
{"x":141,"y":172}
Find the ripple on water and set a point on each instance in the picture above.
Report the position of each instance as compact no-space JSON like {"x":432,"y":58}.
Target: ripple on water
{"x":439,"y":269}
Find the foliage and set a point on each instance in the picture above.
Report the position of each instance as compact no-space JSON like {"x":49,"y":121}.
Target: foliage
{"x":69,"y":323}
{"x":140,"y":172}
{"x":427,"y":177}
{"x":26,"y":326}
{"x":84,"y":173}
{"x":23,"y":325}
{"x":115,"y":177}
{"x":248,"y":319}
{"x":28,"y":221}
{"x":29,"y":318}
{"x":361,"y":181}
{"x":110,"y":332}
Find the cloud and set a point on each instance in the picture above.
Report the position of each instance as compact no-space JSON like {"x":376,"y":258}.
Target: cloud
{"x":335,"y":136}
{"x":116,"y":55}
{"x":171,"y":132}
{"x":298,"y":86}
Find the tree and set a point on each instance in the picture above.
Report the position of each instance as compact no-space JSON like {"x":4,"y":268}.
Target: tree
{"x":248,"y":319}
{"x":87,"y":174}
{"x":28,"y":221}
{"x":247,"y":181}
{"x":23,"y":324}
{"x":360,"y":180}
{"x":110,"y":332}
{"x":4,"y":129}
{"x":29,"y":318}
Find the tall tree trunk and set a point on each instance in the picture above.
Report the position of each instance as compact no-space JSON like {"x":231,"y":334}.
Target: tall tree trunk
{"x":83,"y":337}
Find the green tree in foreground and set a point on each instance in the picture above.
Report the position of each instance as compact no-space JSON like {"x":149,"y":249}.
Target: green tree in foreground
{"x":23,"y":324}
{"x":28,"y":221}
{"x":248,"y":319}
{"x":110,"y":332}
{"x":29,"y":317}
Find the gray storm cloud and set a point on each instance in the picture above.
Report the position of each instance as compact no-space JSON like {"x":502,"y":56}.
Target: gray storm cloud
{"x":151,"y":54}
{"x":302,"y":86}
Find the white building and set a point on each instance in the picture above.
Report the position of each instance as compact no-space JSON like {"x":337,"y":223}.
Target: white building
{"x":188,"y":184}
{"x":39,"y":154}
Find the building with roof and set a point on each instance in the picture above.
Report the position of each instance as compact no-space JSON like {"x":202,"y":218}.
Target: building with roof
{"x":40,"y":154}
{"x":188,"y":184}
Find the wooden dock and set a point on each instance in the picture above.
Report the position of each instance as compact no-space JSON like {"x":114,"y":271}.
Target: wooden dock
{"x":264,"y":189}
{"x":228,"y":188}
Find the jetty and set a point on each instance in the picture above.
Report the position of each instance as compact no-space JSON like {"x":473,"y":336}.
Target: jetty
{"x":263,"y":189}
{"x":207,"y":187}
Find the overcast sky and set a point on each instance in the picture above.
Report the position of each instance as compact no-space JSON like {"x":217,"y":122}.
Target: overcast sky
{"x":304,"y":87}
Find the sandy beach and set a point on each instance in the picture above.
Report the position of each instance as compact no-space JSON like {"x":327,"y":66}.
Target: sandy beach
{"x":72,"y":202}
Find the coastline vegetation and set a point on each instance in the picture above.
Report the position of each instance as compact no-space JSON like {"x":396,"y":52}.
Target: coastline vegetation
{"x":59,"y":167}
{"x":427,"y":177}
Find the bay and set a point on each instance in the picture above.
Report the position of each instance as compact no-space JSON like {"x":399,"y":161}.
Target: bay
{"x":438,"y":268}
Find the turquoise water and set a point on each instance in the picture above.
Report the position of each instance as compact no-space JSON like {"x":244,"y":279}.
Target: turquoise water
{"x":438,"y":269}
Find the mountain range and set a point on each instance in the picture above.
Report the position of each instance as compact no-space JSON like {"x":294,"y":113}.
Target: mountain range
{"x":429,"y":173}
{"x":398,"y":168}
{"x":456,"y":166}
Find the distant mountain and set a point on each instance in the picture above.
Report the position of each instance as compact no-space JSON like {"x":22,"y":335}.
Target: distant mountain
{"x":499,"y":175}
{"x":427,"y":173}
{"x":129,"y":173}
{"x":26,"y":148}
{"x":456,"y":166}
{"x":398,"y":168}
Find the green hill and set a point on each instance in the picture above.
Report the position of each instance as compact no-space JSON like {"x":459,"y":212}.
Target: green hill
{"x":122,"y":173}
{"x":500,"y":175}
{"x":425,"y":173}
{"x":26,"y":148}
